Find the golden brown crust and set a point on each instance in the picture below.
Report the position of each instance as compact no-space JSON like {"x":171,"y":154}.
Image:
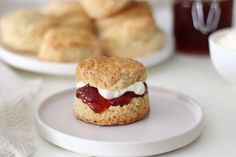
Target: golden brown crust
{"x":68,"y":45}
{"x":104,"y":8}
{"x":137,"y":109}
{"x":77,"y":21}
{"x":63,"y":8}
{"x":23,"y":30}
{"x":135,"y":10}
{"x":137,"y":37}
{"x":131,"y":33}
{"x":69,"y":14}
{"x":110,"y":72}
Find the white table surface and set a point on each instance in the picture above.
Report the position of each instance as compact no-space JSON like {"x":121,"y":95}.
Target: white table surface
{"x":191,"y":75}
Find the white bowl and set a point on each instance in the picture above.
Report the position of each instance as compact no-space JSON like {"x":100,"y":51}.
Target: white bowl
{"x":223,"y":58}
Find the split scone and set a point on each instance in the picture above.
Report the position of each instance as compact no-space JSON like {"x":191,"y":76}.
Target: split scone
{"x":69,"y":14}
{"x":111,"y":91}
{"x":104,"y":8}
{"x":68,"y":45}
{"x":131,"y":33}
{"x":23,"y":30}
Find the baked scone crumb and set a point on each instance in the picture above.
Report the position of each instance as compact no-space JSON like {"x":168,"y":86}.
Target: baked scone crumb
{"x":69,"y":45}
{"x":110,"y":72}
{"x":23,"y":30}
{"x":104,"y":8}
{"x":137,"y":109}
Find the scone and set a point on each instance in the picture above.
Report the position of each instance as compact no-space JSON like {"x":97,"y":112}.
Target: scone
{"x":104,"y":8}
{"x":131,"y":33}
{"x":135,"y":10}
{"x":135,"y":38}
{"x":111,"y":91}
{"x":68,"y":45}
{"x":76,"y":21}
{"x":69,"y":14}
{"x":24,"y":30}
{"x":62,"y":8}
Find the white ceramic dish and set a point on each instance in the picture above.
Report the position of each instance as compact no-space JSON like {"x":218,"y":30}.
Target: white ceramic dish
{"x":223,"y":58}
{"x":175,"y":120}
{"x":32,"y":64}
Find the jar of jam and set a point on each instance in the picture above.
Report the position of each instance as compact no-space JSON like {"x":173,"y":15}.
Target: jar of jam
{"x":195,"y":20}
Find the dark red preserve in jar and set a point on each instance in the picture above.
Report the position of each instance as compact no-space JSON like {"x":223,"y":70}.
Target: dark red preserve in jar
{"x":195,"y":20}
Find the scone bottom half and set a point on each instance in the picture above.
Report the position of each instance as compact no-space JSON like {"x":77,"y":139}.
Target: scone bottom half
{"x":111,"y":106}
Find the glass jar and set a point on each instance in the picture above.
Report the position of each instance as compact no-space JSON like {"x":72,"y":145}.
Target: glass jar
{"x":195,"y":20}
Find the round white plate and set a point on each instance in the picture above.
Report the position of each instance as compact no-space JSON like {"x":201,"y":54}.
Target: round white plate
{"x":32,"y":64}
{"x":175,"y":120}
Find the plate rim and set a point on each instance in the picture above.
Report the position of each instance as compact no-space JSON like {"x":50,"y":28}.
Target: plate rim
{"x":199,"y":123}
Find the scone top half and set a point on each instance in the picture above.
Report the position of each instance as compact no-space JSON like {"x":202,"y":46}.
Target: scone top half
{"x":110,"y":72}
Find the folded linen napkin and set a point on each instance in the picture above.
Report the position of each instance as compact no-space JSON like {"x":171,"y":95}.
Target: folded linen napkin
{"x":16,"y":137}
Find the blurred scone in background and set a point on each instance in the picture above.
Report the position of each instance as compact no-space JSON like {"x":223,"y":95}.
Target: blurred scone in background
{"x":70,"y":31}
{"x":130,"y":33}
{"x":23,"y":30}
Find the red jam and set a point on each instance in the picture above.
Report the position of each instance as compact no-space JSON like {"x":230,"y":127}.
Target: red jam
{"x":98,"y":104}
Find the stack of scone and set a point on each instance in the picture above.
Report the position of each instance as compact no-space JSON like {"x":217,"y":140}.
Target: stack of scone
{"x":69,"y":14}
{"x":111,"y":91}
{"x":24,"y":30}
{"x":74,"y":39}
{"x":61,"y":32}
{"x":132,"y":32}
{"x":70,"y":31}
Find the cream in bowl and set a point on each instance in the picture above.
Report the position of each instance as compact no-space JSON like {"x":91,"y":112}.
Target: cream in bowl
{"x":222,"y":45}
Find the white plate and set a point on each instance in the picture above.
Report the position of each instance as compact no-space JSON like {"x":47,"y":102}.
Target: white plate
{"x":175,"y":120}
{"x":31,"y":63}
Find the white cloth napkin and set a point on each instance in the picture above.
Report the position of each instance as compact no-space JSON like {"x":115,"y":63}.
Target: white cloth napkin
{"x":16,"y":137}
